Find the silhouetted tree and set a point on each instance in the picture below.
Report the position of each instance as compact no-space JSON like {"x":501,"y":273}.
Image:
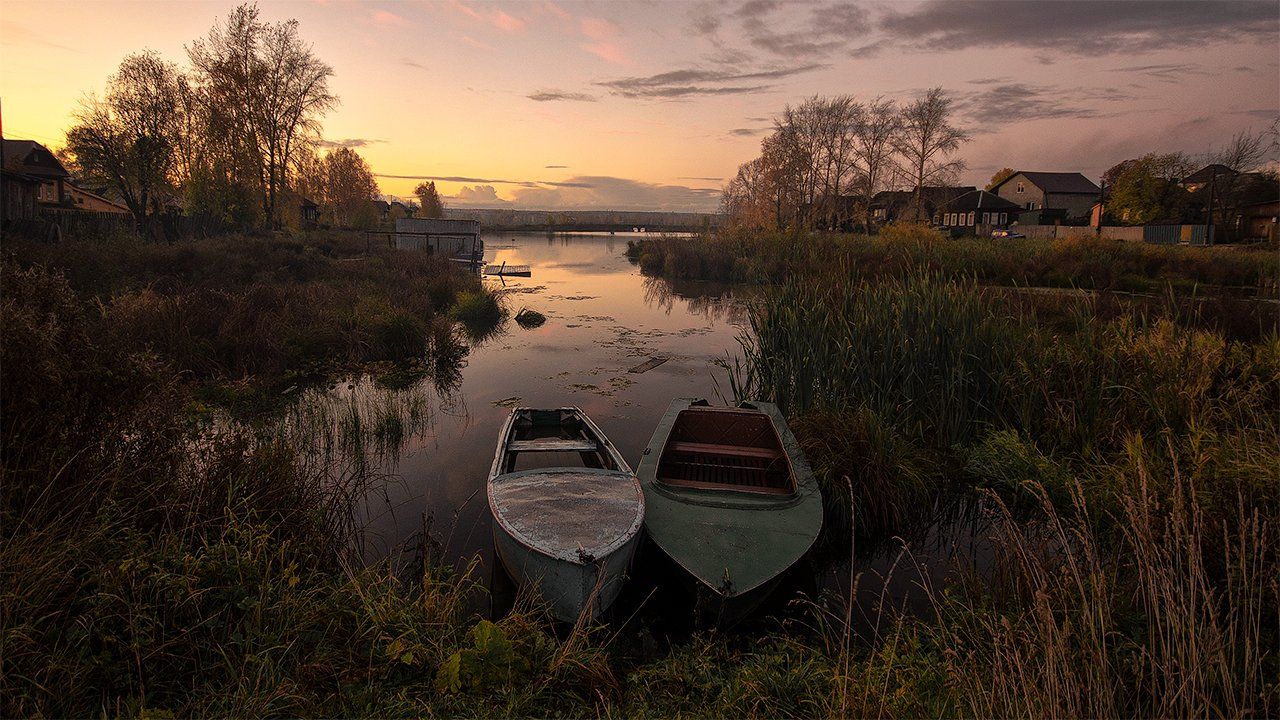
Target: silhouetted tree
{"x":429,"y":200}
{"x":926,"y":141}
{"x":126,"y":139}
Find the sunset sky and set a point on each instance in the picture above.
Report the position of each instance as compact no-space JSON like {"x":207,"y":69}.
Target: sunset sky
{"x":653,"y":105}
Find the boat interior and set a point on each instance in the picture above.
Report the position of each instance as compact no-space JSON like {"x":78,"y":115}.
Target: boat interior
{"x":725,"y":449}
{"x":554,"y":438}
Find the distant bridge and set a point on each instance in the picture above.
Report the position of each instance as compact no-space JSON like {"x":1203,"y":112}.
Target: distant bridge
{"x":599,"y":227}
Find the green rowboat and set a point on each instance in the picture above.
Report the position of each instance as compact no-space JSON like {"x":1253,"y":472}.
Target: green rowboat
{"x":729,"y":496}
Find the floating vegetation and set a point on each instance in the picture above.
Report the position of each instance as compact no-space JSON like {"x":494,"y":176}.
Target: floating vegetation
{"x":527,"y":318}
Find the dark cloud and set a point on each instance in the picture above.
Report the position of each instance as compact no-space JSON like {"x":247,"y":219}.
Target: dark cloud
{"x":349,"y":143}
{"x":556,"y":95}
{"x":486,"y":181}
{"x":413,"y":64}
{"x":708,"y":179}
{"x":1081,"y":26}
{"x":1166,"y":72}
{"x":771,"y":26}
{"x":747,"y":132}
{"x":869,"y":50}
{"x":693,"y":81}
{"x":1004,"y":103}
{"x":555,"y":167}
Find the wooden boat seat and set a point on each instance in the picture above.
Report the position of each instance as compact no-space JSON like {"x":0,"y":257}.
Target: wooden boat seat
{"x":553,"y":444}
{"x":695,"y":448}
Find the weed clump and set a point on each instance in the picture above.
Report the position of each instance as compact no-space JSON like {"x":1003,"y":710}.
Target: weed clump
{"x":527,"y":318}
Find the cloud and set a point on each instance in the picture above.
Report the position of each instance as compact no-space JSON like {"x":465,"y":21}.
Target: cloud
{"x":1164,"y":73}
{"x":557,"y":95}
{"x":747,"y":132}
{"x":498,"y":18}
{"x":598,"y":28}
{"x":1000,"y":102}
{"x":693,"y":81}
{"x":608,"y":51}
{"x":606,"y":192}
{"x":485,"y":181}
{"x":1081,"y":26}
{"x":708,"y":179}
{"x":349,"y":143}
{"x":388,"y":19}
{"x":785,"y":31}
{"x":555,"y":167}
{"x":477,"y":196}
{"x":412,"y":63}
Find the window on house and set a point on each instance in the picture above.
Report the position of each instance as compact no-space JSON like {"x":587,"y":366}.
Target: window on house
{"x":970,"y":219}
{"x":1019,"y":186}
{"x":1003,"y":218}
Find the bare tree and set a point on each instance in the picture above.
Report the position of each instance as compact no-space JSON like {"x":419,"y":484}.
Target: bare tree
{"x":349,"y":186}
{"x":876,"y":130}
{"x":926,"y":141}
{"x":1245,"y":152}
{"x":127,"y":138}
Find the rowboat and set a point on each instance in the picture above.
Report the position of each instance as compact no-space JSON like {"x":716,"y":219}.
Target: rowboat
{"x":729,"y":496}
{"x":567,"y":510}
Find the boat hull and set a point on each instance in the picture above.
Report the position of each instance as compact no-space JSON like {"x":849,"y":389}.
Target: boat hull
{"x":736,"y":544}
{"x":571,"y":590}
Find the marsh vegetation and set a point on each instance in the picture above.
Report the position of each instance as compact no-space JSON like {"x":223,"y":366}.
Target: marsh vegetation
{"x":183,"y":430}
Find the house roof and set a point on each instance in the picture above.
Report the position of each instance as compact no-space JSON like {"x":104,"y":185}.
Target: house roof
{"x":1055,"y":182}
{"x":73,"y":190}
{"x":1208,"y":172}
{"x":930,"y":193}
{"x":32,"y":158}
{"x":980,"y":200}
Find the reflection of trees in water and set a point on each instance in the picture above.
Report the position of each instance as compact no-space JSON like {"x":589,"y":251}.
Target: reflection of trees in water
{"x":713,"y":301}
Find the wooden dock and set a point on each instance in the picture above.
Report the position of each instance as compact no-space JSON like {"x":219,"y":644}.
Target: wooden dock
{"x":505,"y":269}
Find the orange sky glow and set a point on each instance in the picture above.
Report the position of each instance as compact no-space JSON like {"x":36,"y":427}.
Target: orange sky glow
{"x":653,"y":105}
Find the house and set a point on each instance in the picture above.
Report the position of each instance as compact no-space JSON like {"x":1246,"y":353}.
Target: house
{"x":893,"y":205}
{"x":437,"y":236}
{"x":32,"y":159}
{"x":82,"y":199}
{"x":1211,"y":173}
{"x":308,"y":211}
{"x":978,"y":207}
{"x":1258,"y":221}
{"x":1070,"y":192}
{"x":19,"y":192}
{"x":398,"y":210}
{"x":381,"y":210}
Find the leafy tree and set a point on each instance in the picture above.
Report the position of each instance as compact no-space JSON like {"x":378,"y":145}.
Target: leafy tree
{"x":927,"y":140}
{"x":348,"y":187}
{"x":126,"y":139}
{"x":264,"y":92}
{"x":1148,"y":190}
{"x":1001,"y":175}
{"x":429,"y":200}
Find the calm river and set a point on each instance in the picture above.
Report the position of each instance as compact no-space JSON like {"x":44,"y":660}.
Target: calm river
{"x":603,"y":318}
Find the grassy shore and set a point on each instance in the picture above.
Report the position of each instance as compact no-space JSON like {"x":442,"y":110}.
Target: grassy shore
{"x":1126,"y":457}
{"x":1095,"y":264}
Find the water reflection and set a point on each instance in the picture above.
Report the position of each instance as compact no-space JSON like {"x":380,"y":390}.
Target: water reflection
{"x":602,"y":319}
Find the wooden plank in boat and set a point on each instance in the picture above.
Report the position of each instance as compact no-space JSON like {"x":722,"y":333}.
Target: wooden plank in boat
{"x":553,"y":445}
{"x":730,"y":450}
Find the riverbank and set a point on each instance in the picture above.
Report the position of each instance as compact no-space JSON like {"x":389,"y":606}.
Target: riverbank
{"x":1095,"y":264}
{"x":1123,"y":460}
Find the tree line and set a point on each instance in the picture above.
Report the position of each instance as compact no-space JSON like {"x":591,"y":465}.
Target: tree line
{"x":233,"y":138}
{"x":825,"y":160}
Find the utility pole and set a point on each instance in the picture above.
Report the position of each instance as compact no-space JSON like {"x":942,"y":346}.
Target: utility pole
{"x":1208,"y":225}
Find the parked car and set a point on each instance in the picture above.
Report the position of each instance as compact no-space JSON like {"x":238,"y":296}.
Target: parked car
{"x":1006,"y":233}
